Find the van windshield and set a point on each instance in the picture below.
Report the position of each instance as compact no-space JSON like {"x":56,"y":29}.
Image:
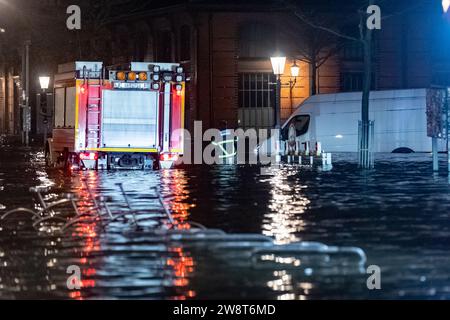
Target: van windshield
{"x":299,"y":123}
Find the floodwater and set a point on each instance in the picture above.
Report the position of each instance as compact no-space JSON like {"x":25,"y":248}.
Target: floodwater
{"x":399,"y":214}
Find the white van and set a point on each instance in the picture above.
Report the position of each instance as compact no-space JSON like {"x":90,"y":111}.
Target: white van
{"x":332,"y":120}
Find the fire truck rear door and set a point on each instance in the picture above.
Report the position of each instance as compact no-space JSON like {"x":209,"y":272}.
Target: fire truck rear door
{"x":129,"y":119}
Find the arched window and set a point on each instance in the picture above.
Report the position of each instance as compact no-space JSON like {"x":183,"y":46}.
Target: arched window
{"x":256,"y":40}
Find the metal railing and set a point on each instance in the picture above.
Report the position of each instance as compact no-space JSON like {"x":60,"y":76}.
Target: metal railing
{"x":247,"y":250}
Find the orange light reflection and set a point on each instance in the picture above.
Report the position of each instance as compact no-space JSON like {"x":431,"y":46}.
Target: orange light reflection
{"x":173,"y":185}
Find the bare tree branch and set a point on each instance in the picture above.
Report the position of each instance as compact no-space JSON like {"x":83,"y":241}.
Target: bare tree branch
{"x":303,"y":18}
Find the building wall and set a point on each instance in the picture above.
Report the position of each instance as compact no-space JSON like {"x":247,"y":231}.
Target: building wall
{"x":213,"y":63}
{"x":404,"y":53}
{"x":410,"y":52}
{"x":403,"y":56}
{"x":8,"y":103}
{"x":219,"y":65}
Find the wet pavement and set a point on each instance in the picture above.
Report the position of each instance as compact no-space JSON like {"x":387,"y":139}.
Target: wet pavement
{"x":398,"y":214}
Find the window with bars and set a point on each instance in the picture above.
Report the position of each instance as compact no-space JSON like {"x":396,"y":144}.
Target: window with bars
{"x":354,"y":81}
{"x":256,"y":90}
{"x":353,"y":51}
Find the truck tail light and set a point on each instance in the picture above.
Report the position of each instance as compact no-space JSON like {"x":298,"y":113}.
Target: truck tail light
{"x":88,"y":156}
{"x":178,"y":89}
{"x":168,"y":157}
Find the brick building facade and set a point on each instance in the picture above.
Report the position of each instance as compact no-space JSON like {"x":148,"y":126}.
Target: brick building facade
{"x":225,"y":48}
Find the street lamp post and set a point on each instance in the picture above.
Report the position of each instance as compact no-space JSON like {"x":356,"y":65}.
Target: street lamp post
{"x":295,"y":72}
{"x":44,"y":82}
{"x":26,"y":95}
{"x":2,"y":56}
{"x":445,"y":7}
{"x":278,"y":65}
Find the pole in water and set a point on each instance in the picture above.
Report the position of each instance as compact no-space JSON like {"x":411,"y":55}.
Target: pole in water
{"x":448,"y":160}
{"x":435,"y":154}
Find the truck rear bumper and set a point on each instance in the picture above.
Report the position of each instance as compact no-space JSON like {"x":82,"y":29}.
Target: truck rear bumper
{"x":126,"y":161}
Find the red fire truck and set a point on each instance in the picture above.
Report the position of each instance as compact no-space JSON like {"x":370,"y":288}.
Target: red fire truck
{"x":131,"y":117}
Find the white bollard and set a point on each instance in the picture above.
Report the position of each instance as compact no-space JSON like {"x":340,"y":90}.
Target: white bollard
{"x":319,"y":148}
{"x":277,"y":152}
{"x":326,"y":159}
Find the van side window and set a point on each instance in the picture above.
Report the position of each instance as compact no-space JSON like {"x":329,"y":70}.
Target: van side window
{"x":300,"y":123}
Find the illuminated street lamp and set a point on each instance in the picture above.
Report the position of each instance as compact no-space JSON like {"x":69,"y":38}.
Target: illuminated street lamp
{"x":295,"y":70}
{"x":44,"y":82}
{"x":2,"y":30}
{"x":445,"y":5}
{"x":278,"y":64}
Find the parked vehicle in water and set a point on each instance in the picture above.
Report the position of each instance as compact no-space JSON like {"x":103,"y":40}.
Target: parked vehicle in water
{"x":332,"y":121}
{"x":111,"y":118}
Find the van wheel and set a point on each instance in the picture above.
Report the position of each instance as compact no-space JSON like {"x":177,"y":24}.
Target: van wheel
{"x":403,"y":150}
